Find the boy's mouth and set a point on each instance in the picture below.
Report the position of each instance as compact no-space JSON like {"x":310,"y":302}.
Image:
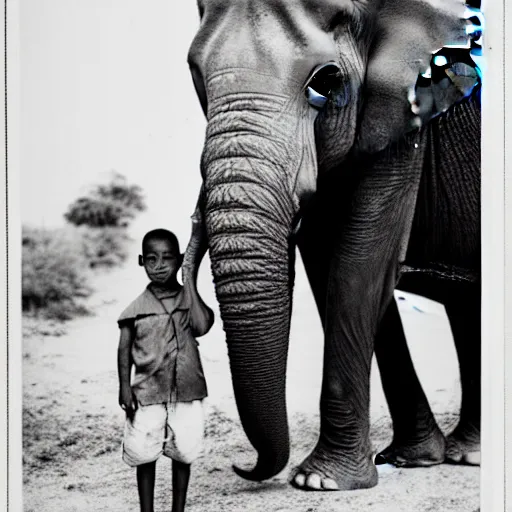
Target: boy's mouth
{"x":161,"y":276}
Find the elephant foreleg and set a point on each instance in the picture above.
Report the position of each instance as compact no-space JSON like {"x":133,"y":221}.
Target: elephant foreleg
{"x":326,"y":212}
{"x":363,"y":272}
{"x":417,"y":439}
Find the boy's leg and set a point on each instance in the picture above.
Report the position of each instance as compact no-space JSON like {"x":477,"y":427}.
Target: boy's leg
{"x":142,"y":445}
{"x":180,"y":478}
{"x":185,"y":421}
{"x":146,"y":486}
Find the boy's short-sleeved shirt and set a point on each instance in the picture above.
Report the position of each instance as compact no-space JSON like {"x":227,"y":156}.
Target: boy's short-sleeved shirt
{"x":164,"y":350}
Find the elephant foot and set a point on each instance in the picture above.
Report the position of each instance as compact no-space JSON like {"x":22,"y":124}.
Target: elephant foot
{"x":324,"y":470}
{"x":426,"y":452}
{"x":463,"y":446}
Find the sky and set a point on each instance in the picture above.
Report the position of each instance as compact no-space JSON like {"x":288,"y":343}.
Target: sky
{"x":105,"y":86}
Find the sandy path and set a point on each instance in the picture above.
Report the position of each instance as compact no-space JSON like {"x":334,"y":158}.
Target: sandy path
{"x":73,"y":424}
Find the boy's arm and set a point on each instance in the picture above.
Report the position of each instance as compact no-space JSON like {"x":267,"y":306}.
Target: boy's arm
{"x":124,"y":366}
{"x":201,"y":316}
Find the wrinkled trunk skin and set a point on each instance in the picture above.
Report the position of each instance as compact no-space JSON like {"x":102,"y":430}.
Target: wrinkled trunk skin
{"x":248,"y":218}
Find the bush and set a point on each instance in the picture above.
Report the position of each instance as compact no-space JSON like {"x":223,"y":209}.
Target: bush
{"x":56,"y":263}
{"x":107,"y":205}
{"x":54,"y":273}
{"x":105,"y":247}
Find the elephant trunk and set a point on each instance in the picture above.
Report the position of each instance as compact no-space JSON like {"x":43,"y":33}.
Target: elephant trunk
{"x":248,"y":218}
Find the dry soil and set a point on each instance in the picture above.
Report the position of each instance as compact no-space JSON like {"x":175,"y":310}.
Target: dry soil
{"x":73,"y":425}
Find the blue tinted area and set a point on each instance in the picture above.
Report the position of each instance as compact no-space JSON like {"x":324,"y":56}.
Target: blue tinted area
{"x":440,"y":60}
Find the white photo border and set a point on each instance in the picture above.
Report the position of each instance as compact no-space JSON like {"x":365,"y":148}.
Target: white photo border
{"x":496,"y":472}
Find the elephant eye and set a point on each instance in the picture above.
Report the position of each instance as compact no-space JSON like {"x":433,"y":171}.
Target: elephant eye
{"x":321,"y":84}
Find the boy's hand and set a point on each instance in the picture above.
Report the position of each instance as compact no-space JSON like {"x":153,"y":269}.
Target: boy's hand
{"x":127,"y":401}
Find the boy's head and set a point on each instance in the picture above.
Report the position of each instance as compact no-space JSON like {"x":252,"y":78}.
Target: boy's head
{"x":161,"y":257}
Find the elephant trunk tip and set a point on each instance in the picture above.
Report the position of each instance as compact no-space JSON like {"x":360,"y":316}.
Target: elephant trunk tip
{"x":263,"y":470}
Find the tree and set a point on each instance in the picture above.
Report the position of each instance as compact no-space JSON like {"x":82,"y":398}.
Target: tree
{"x":113,"y":204}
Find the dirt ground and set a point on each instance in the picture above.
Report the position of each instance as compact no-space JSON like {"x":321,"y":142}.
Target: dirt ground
{"x":73,"y":425}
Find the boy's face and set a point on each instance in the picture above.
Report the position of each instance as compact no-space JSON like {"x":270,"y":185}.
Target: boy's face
{"x":161,"y":260}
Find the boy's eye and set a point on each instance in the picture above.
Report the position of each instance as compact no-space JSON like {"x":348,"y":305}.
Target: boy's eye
{"x":153,"y":260}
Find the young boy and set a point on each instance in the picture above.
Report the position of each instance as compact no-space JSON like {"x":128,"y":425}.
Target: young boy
{"x":163,"y":403}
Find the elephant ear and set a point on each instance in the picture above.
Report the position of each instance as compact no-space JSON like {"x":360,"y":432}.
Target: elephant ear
{"x":407,"y":33}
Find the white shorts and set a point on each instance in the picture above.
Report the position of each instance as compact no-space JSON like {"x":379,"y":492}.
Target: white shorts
{"x":175,"y":430}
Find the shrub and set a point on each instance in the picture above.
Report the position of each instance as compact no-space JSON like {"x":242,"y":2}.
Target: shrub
{"x":107,"y":205}
{"x":131,"y":196}
{"x":54,"y":273}
{"x":106,"y":247}
{"x":56,"y":263}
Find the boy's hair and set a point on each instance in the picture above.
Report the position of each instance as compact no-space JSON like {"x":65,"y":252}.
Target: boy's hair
{"x":160,"y":234}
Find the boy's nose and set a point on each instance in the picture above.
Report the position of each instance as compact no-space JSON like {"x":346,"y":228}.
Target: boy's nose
{"x":161,"y":263}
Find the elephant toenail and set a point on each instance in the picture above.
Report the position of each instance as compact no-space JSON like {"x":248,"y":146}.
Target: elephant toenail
{"x":314,"y":481}
{"x":472,"y":458}
{"x":454,"y":454}
{"x":300,"y":480}
{"x":329,"y":484}
{"x":399,"y":462}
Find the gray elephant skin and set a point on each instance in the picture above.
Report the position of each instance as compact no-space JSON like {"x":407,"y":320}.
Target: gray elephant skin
{"x":314,"y":141}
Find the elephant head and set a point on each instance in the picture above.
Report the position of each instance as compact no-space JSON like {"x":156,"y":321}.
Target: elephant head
{"x":289,"y":89}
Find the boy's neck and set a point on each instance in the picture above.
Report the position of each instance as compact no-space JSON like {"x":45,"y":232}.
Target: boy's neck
{"x":172,"y":287}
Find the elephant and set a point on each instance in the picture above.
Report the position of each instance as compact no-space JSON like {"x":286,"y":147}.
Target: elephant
{"x":321,"y":136}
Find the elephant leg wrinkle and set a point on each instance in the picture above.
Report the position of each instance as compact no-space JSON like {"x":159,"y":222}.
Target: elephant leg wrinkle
{"x":342,"y":458}
{"x":333,"y":469}
{"x":359,"y":290}
{"x":417,"y":439}
{"x":414,"y":453}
